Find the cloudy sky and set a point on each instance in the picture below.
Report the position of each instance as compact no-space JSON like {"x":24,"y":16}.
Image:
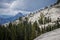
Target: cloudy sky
{"x":12,"y":7}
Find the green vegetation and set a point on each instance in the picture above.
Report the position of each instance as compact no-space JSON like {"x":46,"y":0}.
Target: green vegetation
{"x":22,"y":31}
{"x":43,"y":19}
{"x":58,"y":1}
{"x":25,"y":30}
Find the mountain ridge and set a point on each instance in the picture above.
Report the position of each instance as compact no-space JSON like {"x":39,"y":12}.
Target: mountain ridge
{"x":10,"y":19}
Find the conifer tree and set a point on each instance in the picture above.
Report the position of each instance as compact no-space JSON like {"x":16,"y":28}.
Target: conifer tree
{"x":20,"y":18}
{"x":36,"y":28}
{"x":41,"y":18}
{"x":58,"y":1}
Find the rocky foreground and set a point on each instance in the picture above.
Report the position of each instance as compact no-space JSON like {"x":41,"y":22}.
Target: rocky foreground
{"x":53,"y":35}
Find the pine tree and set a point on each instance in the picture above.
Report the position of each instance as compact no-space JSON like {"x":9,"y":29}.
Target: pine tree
{"x":36,"y":28}
{"x":41,"y":18}
{"x":20,"y":18}
{"x":29,"y":31}
{"x":58,"y":1}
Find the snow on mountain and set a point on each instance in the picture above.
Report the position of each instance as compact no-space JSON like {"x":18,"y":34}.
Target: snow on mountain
{"x":52,"y":12}
{"x":35,"y":17}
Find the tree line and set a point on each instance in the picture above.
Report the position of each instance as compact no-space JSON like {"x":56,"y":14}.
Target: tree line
{"x":24,"y":30}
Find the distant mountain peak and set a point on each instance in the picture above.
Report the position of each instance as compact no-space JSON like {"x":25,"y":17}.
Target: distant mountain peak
{"x":10,"y":18}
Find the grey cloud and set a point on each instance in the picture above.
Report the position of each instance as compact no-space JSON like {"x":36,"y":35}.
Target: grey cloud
{"x":4,"y":5}
{"x":31,"y":5}
{"x":7,"y":1}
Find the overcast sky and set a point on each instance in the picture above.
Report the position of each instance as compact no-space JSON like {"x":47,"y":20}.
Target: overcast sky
{"x":12,"y":7}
